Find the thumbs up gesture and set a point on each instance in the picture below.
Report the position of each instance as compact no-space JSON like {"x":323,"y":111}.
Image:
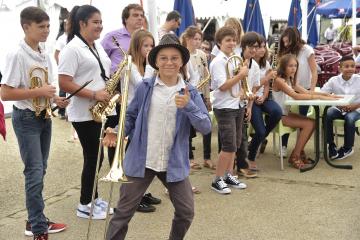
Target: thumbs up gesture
{"x":181,"y":100}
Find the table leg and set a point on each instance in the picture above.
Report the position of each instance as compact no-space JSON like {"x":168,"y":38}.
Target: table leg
{"x":325,"y":145}
{"x":317,"y":140}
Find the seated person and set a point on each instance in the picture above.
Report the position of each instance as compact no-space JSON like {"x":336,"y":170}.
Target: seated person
{"x":347,"y":82}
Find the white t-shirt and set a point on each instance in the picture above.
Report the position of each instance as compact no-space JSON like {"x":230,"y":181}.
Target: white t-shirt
{"x":263,"y":72}
{"x":254,"y":75}
{"x":77,"y":61}
{"x":304,"y":72}
{"x":136,"y":78}
{"x":223,"y":99}
{"x":61,"y":42}
{"x":17,"y":68}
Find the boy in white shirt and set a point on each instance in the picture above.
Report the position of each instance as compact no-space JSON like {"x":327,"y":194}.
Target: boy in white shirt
{"x":226,"y":105}
{"x":32,"y":129}
{"x":346,"y":83}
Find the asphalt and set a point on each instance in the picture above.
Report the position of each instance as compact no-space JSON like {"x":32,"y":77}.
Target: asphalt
{"x":322,"y":204}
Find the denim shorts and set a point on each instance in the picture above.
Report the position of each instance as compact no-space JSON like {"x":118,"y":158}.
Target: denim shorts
{"x":229,"y":123}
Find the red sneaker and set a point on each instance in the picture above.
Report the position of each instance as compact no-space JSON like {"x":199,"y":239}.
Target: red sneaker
{"x":52,"y":228}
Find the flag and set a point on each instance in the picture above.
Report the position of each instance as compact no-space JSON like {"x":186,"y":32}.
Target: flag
{"x":186,"y":10}
{"x":294,"y":19}
{"x":252,"y":18}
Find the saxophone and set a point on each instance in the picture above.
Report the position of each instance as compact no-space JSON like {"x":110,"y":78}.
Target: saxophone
{"x":204,"y":81}
{"x":101,"y":109}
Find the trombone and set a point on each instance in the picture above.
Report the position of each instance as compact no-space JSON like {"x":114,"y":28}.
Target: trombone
{"x":116,"y":173}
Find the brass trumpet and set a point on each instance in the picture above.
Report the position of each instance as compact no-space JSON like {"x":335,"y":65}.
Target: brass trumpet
{"x":237,"y":62}
{"x":37,"y":82}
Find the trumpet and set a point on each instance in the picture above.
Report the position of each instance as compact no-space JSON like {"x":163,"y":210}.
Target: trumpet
{"x":116,"y":173}
{"x":205,"y":80}
{"x":37,"y":82}
{"x":237,"y":62}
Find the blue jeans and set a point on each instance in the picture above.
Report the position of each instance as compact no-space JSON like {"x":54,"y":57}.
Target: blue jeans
{"x":349,"y":127}
{"x":262,"y":129}
{"x":34,"y":136}
{"x":303,"y":110}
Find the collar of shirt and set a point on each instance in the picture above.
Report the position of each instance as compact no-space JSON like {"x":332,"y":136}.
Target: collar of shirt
{"x":347,"y":82}
{"x":180,"y":84}
{"x":124,"y":31}
{"x":79,"y":42}
{"x":221,"y":54}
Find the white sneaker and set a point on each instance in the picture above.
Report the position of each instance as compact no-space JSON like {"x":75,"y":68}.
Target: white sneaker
{"x":234,"y":182}
{"x":103,"y":205}
{"x":220,"y":186}
{"x":284,"y":151}
{"x":83,"y":211}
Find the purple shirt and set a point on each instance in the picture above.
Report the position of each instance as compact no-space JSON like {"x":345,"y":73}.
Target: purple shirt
{"x":123,"y":37}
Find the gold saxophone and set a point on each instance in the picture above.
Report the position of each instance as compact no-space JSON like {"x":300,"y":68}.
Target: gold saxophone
{"x":37,"y":82}
{"x":204,"y":81}
{"x":101,"y":109}
{"x":237,"y":62}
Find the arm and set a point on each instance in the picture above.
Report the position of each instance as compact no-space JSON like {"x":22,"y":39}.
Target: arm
{"x":56,"y":56}
{"x":313,"y":69}
{"x":9,"y":93}
{"x":229,"y":83}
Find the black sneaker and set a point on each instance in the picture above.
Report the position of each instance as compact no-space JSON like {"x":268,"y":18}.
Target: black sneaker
{"x":149,"y":199}
{"x":333,"y":153}
{"x":344,"y":153}
{"x":145,"y":208}
{"x":220,"y":186}
{"x":232,"y":181}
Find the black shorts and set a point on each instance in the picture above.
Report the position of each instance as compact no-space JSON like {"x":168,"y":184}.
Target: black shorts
{"x":229,"y":123}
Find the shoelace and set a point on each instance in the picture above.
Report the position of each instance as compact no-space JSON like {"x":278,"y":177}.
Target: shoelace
{"x":233,"y":179}
{"x":222,"y":184}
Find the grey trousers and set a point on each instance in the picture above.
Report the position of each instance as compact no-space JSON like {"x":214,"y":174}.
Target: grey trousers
{"x":180,"y":194}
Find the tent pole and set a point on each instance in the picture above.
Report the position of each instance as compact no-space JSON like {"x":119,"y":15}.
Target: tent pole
{"x":304,"y":10}
{"x":354,"y":23}
{"x":207,"y":24}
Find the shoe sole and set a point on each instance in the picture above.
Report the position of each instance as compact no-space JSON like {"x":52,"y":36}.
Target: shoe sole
{"x":345,"y":156}
{"x":30,"y":233}
{"x":237,"y":186}
{"x":86,"y":215}
{"x":221,"y":191}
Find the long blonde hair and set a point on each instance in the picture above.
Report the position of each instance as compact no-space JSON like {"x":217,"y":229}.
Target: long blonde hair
{"x":137,"y":40}
{"x":236,"y":24}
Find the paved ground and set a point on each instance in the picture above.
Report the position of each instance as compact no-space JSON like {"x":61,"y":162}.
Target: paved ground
{"x":316,"y":205}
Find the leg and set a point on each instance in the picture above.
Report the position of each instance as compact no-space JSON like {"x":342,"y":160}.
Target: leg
{"x":306,"y":126}
{"x":260,"y":131}
{"x":274,"y":113}
{"x":332,"y":114}
{"x":89,"y":133}
{"x":130,"y":197}
{"x":182,"y":199}
{"x":349,"y":128}
{"x":241,"y":152}
{"x":32,"y":134}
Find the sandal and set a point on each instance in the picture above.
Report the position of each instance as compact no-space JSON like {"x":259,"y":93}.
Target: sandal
{"x":247,"y":173}
{"x":209,"y":164}
{"x":195,"y":165}
{"x":195,"y":190}
{"x":305,"y":159}
{"x":296,"y":162}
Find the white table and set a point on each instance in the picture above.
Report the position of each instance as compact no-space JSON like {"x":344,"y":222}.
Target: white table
{"x":316,"y":103}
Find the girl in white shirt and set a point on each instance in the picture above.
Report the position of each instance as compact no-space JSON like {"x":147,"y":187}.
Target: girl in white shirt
{"x":286,"y":85}
{"x":82,"y":60}
{"x":291,"y":42}
{"x":191,"y":39}
{"x":141,"y":43}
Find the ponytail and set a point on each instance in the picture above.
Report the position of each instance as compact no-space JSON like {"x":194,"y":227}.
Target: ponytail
{"x":77,"y":14}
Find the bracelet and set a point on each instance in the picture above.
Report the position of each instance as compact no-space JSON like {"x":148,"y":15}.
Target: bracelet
{"x":93,"y":95}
